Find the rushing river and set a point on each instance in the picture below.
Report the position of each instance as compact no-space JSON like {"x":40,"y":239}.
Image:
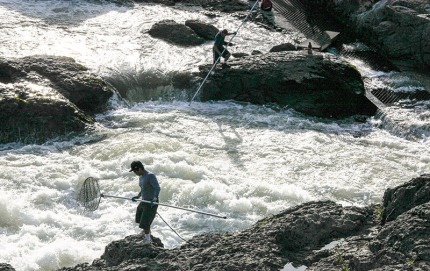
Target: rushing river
{"x":239,"y":160}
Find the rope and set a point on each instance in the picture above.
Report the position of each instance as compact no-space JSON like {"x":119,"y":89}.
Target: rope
{"x":225,"y":48}
{"x":171,"y":227}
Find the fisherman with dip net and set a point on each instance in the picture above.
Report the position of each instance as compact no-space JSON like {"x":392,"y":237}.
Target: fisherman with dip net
{"x":149,"y":191}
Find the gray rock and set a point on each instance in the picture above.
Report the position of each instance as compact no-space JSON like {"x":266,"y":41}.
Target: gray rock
{"x":406,"y":238}
{"x":399,"y":244}
{"x":45,"y":96}
{"x":318,"y":85}
{"x":6,"y":267}
{"x":405,"y":197}
{"x":202,"y":29}
{"x":400,"y":29}
{"x":283,"y":47}
{"x":175,"y":33}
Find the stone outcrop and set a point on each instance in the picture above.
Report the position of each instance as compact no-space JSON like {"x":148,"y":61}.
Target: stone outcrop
{"x":175,"y":33}
{"x":6,"y":267}
{"x":405,"y":197}
{"x":202,"y":29}
{"x":42,"y":97}
{"x":399,"y":29}
{"x":400,"y":244}
{"x":319,"y":84}
{"x":298,"y":236}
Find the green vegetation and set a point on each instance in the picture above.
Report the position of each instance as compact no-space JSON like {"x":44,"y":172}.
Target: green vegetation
{"x":379,"y":212}
{"x":344,"y":265}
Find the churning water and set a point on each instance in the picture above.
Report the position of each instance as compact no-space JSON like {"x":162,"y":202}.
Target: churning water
{"x":239,"y":160}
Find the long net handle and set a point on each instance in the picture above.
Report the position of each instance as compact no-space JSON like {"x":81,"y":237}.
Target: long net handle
{"x":167,"y":205}
{"x":225,"y":48}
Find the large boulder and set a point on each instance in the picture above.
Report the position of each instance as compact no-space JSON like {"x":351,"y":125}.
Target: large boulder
{"x":175,"y":33}
{"x":400,"y":29}
{"x":319,"y":84}
{"x":42,"y":97}
{"x":33,"y":114}
{"x":405,"y":197}
{"x":202,"y":29}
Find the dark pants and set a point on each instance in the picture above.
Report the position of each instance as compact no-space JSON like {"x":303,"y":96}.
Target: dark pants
{"x":224,"y":52}
{"x":145,"y":214}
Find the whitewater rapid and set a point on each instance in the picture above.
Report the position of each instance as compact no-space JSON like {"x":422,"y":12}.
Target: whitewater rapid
{"x":239,"y":160}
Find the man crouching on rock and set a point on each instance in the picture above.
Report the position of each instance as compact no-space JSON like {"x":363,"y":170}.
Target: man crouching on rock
{"x":149,"y":191}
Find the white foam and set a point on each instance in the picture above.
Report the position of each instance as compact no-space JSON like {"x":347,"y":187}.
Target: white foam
{"x":290,"y":267}
{"x":10,"y":214}
{"x":239,"y":160}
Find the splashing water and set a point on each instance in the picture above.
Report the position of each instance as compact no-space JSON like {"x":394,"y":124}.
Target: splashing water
{"x":239,"y":160}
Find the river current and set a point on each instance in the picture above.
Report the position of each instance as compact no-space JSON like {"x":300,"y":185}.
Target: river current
{"x":235,"y":159}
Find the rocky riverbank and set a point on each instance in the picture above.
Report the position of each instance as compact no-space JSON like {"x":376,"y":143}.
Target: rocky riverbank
{"x":42,"y":97}
{"x":323,"y":236}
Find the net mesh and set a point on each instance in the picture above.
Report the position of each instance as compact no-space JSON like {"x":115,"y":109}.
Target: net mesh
{"x":89,"y":196}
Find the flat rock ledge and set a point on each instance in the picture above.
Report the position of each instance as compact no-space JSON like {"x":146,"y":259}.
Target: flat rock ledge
{"x":322,"y":236}
{"x":42,"y":97}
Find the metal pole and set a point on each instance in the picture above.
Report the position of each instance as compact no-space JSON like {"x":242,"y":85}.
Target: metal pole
{"x":162,"y":204}
{"x":218,"y":59}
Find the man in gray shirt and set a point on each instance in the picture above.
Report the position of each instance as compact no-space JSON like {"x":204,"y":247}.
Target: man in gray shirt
{"x":149,"y":191}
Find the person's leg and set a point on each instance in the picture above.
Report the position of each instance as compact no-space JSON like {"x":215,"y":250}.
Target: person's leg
{"x":144,"y":219}
{"x":139,"y":211}
{"x":152,"y":214}
{"x":216,"y":56}
{"x":148,"y":216}
{"x":226,"y":55}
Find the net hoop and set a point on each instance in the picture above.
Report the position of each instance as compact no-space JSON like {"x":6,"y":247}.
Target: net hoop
{"x":89,"y":195}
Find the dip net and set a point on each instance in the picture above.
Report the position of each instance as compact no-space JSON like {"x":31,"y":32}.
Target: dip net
{"x":89,"y":196}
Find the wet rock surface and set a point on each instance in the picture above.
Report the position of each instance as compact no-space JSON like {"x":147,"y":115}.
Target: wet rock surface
{"x":298,"y":236}
{"x":400,"y":29}
{"x":42,"y":97}
{"x":175,"y":33}
{"x":318,"y":85}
